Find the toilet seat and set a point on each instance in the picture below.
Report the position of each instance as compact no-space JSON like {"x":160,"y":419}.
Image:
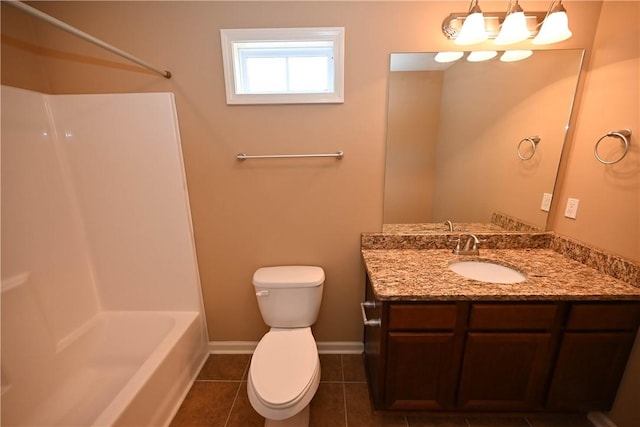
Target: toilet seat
{"x":284,"y":366}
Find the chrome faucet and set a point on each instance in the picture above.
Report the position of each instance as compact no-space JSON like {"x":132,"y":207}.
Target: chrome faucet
{"x":449,"y":224}
{"x":470,"y":247}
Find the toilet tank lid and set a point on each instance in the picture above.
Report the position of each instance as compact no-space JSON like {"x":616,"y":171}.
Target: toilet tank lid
{"x":289,"y":276}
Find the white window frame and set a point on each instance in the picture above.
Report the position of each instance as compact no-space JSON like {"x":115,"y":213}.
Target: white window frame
{"x":231,"y":63}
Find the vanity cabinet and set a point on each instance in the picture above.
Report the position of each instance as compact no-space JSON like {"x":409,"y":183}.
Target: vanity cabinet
{"x":412,"y":357}
{"x":593,"y":355}
{"x":463,"y":356}
{"x":507,"y":356}
{"x":422,"y":356}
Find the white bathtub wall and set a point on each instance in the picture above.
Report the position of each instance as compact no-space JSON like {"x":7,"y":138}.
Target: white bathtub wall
{"x":124,"y":156}
{"x":46,"y":275}
{"x":95,"y":220}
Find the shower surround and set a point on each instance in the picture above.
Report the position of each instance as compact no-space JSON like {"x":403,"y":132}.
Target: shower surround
{"x":102,"y":316}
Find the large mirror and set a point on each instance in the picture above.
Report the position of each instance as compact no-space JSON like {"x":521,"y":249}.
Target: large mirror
{"x":467,"y":139}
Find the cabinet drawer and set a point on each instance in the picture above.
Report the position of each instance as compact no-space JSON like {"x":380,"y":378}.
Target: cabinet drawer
{"x":422,"y":316}
{"x":604,"y":316}
{"x":512,"y":316}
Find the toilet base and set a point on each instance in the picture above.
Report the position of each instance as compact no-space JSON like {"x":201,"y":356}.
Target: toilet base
{"x":301,"y":419}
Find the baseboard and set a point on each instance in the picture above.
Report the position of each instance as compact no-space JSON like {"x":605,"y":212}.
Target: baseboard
{"x":598,"y":419}
{"x":232,"y":347}
{"x":340,"y":347}
{"x":247,"y":347}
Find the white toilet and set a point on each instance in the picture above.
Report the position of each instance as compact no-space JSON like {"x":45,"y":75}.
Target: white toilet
{"x":285,"y":368}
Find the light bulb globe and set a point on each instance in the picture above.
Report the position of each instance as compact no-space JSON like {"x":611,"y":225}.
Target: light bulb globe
{"x":555,"y":28}
{"x":514,"y":29}
{"x":472,"y":30}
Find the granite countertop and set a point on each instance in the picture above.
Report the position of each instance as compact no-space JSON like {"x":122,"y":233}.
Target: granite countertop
{"x":423,"y":274}
{"x":431,"y":227}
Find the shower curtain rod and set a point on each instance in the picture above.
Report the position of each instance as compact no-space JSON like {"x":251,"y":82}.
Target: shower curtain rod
{"x":88,"y":37}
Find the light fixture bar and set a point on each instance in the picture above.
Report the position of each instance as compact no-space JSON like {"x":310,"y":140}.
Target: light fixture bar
{"x":452,"y":24}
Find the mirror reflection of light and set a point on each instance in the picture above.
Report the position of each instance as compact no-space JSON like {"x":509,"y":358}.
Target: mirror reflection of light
{"x":444,"y":57}
{"x":515,"y":55}
{"x":481,"y":55}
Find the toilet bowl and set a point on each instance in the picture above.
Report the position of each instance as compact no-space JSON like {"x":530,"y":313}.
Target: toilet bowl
{"x":284,"y":374}
{"x":285,"y":368}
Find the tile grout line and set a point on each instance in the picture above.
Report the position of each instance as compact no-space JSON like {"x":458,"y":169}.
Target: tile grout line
{"x":235,"y":398}
{"x":344,"y":393}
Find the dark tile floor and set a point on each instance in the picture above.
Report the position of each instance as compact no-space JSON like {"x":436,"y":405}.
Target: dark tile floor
{"x":218,"y":398}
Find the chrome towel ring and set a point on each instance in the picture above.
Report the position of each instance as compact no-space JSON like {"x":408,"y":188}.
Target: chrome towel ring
{"x":624,"y":135}
{"x":533,"y":140}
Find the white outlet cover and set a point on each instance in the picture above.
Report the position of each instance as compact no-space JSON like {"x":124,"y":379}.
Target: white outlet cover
{"x":546,"y":202}
{"x":572,"y":208}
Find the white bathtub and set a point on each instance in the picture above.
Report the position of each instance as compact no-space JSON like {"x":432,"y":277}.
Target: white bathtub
{"x":129,"y":368}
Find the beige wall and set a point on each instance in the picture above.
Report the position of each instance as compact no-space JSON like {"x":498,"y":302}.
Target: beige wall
{"x":312,"y":211}
{"x":609,"y":212}
{"x":252,"y":214}
{"x":261,"y":213}
{"x":22,"y":53}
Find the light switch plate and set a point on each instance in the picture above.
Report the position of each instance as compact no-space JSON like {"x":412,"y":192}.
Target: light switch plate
{"x":572,"y":208}
{"x":546,"y":202}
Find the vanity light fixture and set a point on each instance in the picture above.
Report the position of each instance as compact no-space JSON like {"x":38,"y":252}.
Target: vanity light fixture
{"x":481,"y":55}
{"x":515,"y":55}
{"x":514,"y":28}
{"x":555,"y":27}
{"x":507,"y":28}
{"x":473,"y":29}
{"x":444,"y":57}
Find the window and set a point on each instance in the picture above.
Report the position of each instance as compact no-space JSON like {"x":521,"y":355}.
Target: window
{"x":283,"y":65}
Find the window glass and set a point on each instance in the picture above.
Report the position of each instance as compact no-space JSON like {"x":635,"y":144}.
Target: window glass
{"x":294,"y":65}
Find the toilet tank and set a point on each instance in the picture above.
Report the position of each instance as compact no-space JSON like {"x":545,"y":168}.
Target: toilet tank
{"x":289,"y":296}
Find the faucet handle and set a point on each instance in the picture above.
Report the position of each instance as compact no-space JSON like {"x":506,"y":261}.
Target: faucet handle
{"x":478,"y":241}
{"x":457,"y":241}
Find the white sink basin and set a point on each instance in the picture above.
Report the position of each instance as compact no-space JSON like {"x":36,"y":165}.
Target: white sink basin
{"x":486,"y":271}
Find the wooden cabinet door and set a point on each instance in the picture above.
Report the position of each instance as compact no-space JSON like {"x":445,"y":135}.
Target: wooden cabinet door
{"x":588,"y":370}
{"x":504,"y":371}
{"x":421,"y":370}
